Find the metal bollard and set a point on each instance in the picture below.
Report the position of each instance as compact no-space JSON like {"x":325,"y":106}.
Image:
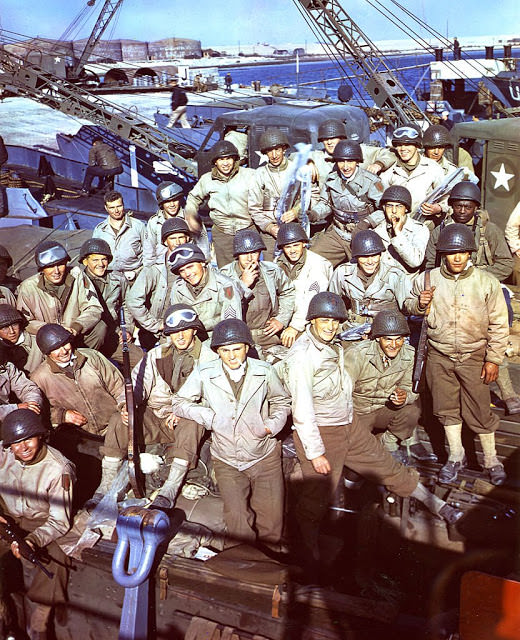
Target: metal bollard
{"x":140,"y":531}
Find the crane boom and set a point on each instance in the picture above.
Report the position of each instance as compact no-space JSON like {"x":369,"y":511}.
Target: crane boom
{"x":362,"y":56}
{"x":22,"y":78}
{"x":108,"y":11}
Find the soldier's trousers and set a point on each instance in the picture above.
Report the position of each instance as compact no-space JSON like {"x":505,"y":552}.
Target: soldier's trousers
{"x":42,"y":590}
{"x":458,"y":393}
{"x":181,"y":442}
{"x":330,"y":245}
{"x":399,"y":421}
{"x":354,"y":446}
{"x":253,"y":499}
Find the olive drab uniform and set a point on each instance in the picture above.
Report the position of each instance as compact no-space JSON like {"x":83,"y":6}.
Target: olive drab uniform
{"x":15,"y":382}
{"x":214,"y":299}
{"x":271,"y":296}
{"x":347,"y":202}
{"x":365,"y":296}
{"x":406,"y":249}
{"x":375,"y":377}
{"x":153,"y":249}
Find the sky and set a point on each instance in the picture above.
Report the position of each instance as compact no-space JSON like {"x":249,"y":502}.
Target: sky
{"x":229,"y":22}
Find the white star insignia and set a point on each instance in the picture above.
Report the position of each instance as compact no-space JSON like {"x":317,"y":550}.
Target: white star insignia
{"x":502,"y":178}
{"x":57,"y":59}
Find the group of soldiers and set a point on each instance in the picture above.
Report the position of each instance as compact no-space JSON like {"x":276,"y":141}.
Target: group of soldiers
{"x":285,"y":331}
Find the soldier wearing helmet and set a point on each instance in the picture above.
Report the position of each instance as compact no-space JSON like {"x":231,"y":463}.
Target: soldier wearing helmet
{"x":492,"y":254}
{"x":156,"y":379}
{"x":150,"y":295}
{"x":62,"y":295}
{"x":18,"y":345}
{"x":349,"y":196}
{"x":44,"y":477}
{"x":309,"y":273}
{"x":170,"y":197}
{"x":418,"y":174}
{"x":213,"y":295}
{"x":325,"y":437}
{"x":268,"y":185}
{"x":225,"y":189}
{"x":467,"y":339}
{"x":15,"y":384}
{"x":381,"y":370}
{"x":404,"y":237}
{"x":95,"y":255}
{"x":6,"y":281}
{"x":243,"y":402}
{"x":436,"y":142}
{"x":368,"y":284}
{"x":268,"y":294}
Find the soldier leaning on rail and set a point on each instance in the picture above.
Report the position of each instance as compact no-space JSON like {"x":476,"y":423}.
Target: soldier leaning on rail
{"x":309,"y":273}
{"x":325,"y":437}
{"x":44,"y":477}
{"x":126,"y":237}
{"x":467,"y":338}
{"x":244,"y":404}
{"x":169,"y":199}
{"x":268,"y":294}
{"x":349,"y":196}
{"x":18,"y":344}
{"x":61,"y":295}
{"x":492,"y":255}
{"x":150,"y":295}
{"x":381,"y":371}
{"x":225,"y":189}
{"x":268,"y":185}
{"x":160,"y":374}
{"x":330,"y":132}
{"x":214,"y":296}
{"x":95,"y":255}
{"x":418,"y":174}
{"x":404,"y":238}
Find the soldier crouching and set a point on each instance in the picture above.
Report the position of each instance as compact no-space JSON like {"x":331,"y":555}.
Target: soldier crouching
{"x":29,"y":467}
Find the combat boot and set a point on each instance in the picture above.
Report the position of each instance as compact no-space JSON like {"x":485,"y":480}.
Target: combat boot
{"x":165,"y":500}
{"x":109,"y":469}
{"x":450,"y":471}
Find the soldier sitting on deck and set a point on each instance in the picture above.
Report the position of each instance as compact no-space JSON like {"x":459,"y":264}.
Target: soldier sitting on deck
{"x":268,"y":294}
{"x":14,"y":383}
{"x":213,"y":295}
{"x":44,"y":478}
{"x":62,"y":295}
{"x":350,"y":195}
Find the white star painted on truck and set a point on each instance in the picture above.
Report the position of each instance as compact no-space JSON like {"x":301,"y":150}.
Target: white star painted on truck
{"x":502,"y":178}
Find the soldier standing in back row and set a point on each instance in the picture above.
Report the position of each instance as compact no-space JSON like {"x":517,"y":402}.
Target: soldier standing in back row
{"x":350,"y":195}
{"x":467,"y":338}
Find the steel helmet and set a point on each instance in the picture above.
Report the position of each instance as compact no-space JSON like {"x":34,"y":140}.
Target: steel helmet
{"x":347,"y":150}
{"x":10,"y":315}
{"x":52,"y":336}
{"x":178,"y":317}
{"x":389,"y":323}
{"x":290,"y":232}
{"x":174,"y":225}
{"x":407,"y":134}
{"x":326,"y":305}
{"x":223,"y":149}
{"x":436,"y":135}
{"x":231,"y":331}
{"x":5,"y":255}
{"x":366,"y":243}
{"x":272,"y":138}
{"x":331,"y":129}
{"x":185,"y":254}
{"x":95,"y":245}
{"x":465,"y":190}
{"x":48,"y":253}
{"x":397,"y":193}
{"x":168,"y":191}
{"x":456,"y":237}
{"x":246,"y":241}
{"x":21,"y":424}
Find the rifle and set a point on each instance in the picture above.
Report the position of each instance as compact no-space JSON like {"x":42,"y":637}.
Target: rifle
{"x":438,"y":194}
{"x":134,"y":472}
{"x":11,"y":533}
{"x":422,"y":347}
{"x":292,"y":185}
